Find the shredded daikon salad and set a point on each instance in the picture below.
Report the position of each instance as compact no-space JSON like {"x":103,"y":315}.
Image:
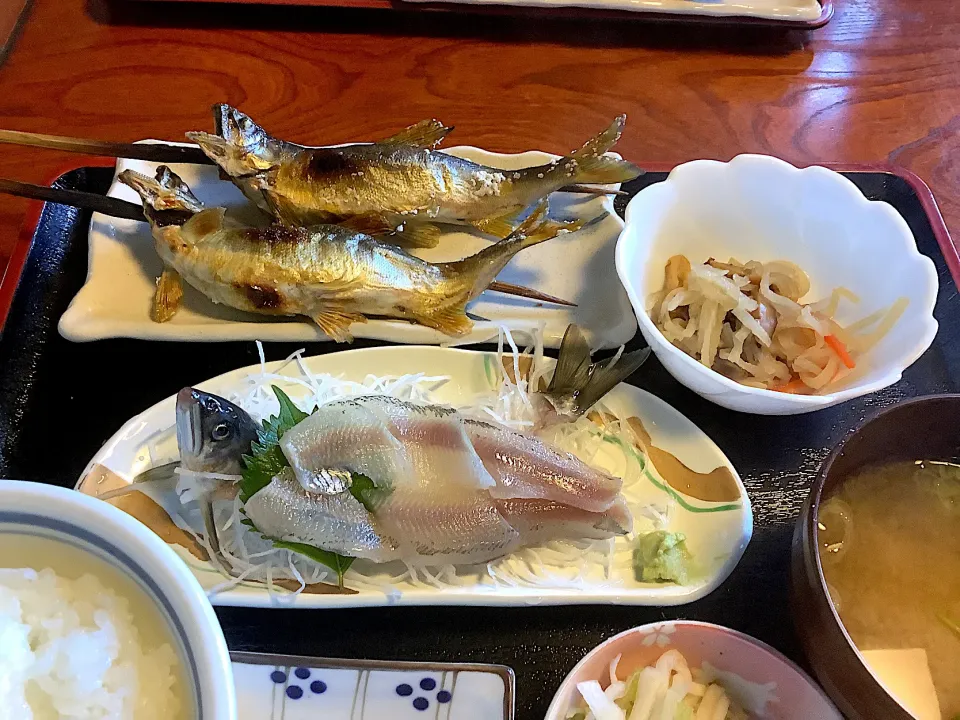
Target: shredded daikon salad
{"x":567,"y":564}
{"x":746,"y":322}
{"x":666,"y":690}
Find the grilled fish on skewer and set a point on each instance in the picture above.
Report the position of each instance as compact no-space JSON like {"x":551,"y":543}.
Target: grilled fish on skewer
{"x":332,"y":274}
{"x":401,"y":181}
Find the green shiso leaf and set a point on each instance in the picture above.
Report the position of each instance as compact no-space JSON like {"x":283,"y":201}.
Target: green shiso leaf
{"x":266,"y":460}
{"x":338,"y":563}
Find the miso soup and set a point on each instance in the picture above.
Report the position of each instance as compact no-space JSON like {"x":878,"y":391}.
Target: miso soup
{"x":890,"y":551}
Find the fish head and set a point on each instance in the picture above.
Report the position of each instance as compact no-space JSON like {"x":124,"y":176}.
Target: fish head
{"x":241,"y":148}
{"x":166,"y":197}
{"x":212,"y":432}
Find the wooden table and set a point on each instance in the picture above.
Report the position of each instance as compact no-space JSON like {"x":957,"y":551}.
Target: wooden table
{"x":881,"y":82}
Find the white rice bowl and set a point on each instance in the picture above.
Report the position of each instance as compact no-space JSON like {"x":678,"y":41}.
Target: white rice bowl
{"x":70,"y":649}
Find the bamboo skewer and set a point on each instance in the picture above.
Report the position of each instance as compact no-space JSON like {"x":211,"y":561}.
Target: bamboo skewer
{"x":116,"y":207}
{"x":88,"y":201}
{"x":165,"y":153}
{"x":152,"y":152}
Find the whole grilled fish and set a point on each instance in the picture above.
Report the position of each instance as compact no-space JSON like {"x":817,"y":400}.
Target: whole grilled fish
{"x":400,"y":183}
{"x":335,"y":275}
{"x":447,"y":489}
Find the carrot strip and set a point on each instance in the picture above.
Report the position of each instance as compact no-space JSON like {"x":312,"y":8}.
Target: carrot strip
{"x":840,"y":349}
{"x":795,"y":386}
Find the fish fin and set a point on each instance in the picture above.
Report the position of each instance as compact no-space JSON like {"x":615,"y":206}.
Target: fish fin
{"x":162,"y":478}
{"x":573,"y":362}
{"x":212,"y":536}
{"x":418,"y":235}
{"x":499,"y":227}
{"x":504,"y":226}
{"x":604,"y":140}
{"x":336,"y":323}
{"x":589,"y":164}
{"x":549,"y":229}
{"x":167,"y":296}
{"x":204,"y":223}
{"x":578,"y":383}
{"x":476,"y":272}
{"x":425,"y":134}
{"x":373,"y":224}
{"x":450,"y":320}
{"x":533,"y":221}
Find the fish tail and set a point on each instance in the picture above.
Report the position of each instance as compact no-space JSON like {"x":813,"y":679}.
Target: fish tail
{"x":478,"y":271}
{"x":467,"y":278}
{"x":578,"y":383}
{"x":589,"y":164}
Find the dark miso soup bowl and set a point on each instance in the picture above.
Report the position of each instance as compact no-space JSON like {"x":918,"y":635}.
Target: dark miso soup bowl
{"x":921,"y":429}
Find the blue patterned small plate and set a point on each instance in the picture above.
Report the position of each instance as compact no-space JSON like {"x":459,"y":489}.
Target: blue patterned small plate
{"x":288,"y":687}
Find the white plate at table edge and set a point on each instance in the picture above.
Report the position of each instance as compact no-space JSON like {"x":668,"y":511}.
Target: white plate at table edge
{"x":801,"y":12}
{"x":604,"y":311}
{"x":467,"y":370}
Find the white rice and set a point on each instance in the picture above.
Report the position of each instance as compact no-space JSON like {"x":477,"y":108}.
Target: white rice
{"x":70,"y":649}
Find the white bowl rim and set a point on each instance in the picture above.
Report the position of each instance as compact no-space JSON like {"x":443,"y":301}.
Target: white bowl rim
{"x":790,"y":399}
{"x":205,"y":636}
{"x":650,"y":627}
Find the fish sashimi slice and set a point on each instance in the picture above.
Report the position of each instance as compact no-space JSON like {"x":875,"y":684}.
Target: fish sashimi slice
{"x":434,"y":438}
{"x":345,"y":435}
{"x":526,"y":467}
{"x":539,"y":521}
{"x":338,"y":523}
{"x":446,"y":524}
{"x":441,"y":513}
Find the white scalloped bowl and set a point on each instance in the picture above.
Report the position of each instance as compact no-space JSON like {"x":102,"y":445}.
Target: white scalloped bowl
{"x":757,"y":207}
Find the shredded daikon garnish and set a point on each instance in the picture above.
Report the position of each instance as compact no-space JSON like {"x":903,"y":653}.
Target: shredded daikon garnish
{"x":573,"y":564}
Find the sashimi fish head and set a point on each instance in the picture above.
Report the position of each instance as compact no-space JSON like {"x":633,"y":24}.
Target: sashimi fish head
{"x":212,"y":432}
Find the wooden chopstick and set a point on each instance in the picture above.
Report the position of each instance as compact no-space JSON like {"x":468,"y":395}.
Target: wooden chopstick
{"x":88,"y":201}
{"x":151,"y":152}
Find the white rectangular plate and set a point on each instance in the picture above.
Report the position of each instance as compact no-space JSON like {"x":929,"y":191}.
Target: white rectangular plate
{"x":798,"y":11}
{"x":123,"y":268}
{"x":275,"y":687}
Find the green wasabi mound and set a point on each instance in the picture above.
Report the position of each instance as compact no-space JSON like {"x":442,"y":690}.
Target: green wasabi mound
{"x":662,"y":556}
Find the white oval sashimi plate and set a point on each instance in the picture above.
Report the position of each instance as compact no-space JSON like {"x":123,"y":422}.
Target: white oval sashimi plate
{"x":123,"y":267}
{"x":705,"y":499}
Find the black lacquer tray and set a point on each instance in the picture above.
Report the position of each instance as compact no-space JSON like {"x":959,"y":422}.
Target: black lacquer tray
{"x":59,"y":401}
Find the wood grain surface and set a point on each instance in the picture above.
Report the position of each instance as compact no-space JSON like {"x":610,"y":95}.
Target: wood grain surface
{"x":880,"y":82}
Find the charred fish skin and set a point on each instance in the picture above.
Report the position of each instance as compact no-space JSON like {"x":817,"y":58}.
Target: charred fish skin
{"x":247,"y":155}
{"x":332,"y":274}
{"x":402,"y":179}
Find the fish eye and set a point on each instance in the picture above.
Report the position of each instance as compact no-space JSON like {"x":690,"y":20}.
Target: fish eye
{"x":220,"y":432}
